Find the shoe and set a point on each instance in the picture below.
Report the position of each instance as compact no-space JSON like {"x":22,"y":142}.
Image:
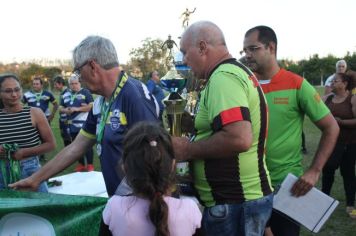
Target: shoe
{"x":90,"y":167}
{"x":349,"y":209}
{"x":79,"y":168}
{"x":352,"y":214}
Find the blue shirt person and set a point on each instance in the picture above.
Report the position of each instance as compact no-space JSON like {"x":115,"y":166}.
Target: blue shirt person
{"x":153,"y":85}
{"x":123,"y":101}
{"x":76,"y":103}
{"x":37,"y":97}
{"x":59,"y":85}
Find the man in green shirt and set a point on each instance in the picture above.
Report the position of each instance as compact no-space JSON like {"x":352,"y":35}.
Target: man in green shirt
{"x":227,"y":155}
{"x":289,"y":98}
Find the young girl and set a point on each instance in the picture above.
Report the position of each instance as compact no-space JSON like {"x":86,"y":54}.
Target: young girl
{"x":149,"y":165}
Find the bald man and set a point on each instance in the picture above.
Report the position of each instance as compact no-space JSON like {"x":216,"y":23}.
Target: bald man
{"x":227,"y":154}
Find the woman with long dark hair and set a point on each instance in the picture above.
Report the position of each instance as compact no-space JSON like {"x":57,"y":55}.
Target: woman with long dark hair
{"x":149,"y":165}
{"x":342,"y":105}
{"x":24,"y":134}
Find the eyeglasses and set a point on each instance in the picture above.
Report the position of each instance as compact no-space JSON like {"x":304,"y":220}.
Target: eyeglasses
{"x":336,"y":81}
{"x":11,"y":91}
{"x":250,"y":49}
{"x":78,"y":69}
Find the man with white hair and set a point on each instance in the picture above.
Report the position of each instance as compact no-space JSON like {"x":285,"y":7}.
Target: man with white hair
{"x":76,"y":103}
{"x":123,"y":102}
{"x":341,"y":67}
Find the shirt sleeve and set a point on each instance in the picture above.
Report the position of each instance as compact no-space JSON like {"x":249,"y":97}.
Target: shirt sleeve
{"x":51,"y":97}
{"x":329,"y":79}
{"x":227,"y":100}
{"x":89,"y":126}
{"x":311,"y":102}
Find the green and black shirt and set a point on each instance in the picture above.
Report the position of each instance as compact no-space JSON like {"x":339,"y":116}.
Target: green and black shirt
{"x":232,"y":94}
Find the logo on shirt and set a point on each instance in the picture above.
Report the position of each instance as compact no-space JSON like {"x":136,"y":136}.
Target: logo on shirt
{"x":115,"y":119}
{"x":283,"y":100}
{"x":317,"y":97}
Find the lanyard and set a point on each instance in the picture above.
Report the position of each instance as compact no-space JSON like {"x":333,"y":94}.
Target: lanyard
{"x":14,"y":165}
{"x":73,"y":97}
{"x":38,"y":96}
{"x":105,"y":106}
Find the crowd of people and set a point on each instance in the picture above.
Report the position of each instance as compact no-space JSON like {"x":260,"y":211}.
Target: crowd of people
{"x":248,"y":130}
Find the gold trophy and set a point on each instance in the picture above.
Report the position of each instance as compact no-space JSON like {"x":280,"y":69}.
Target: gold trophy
{"x":175,"y":108}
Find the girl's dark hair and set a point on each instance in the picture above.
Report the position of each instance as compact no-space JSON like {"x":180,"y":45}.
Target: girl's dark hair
{"x":3,"y":77}
{"x":148,"y":162}
{"x":345,"y":78}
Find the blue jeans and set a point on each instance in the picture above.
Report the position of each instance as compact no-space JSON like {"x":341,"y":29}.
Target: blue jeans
{"x":28,"y":167}
{"x":248,"y":218}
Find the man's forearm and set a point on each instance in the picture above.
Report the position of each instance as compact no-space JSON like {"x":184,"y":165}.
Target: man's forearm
{"x":231,"y":140}
{"x":64,"y":158}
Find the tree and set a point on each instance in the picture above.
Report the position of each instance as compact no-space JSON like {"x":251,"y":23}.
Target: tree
{"x":351,"y":60}
{"x":49,"y":73}
{"x":27,"y":74}
{"x":147,"y":58}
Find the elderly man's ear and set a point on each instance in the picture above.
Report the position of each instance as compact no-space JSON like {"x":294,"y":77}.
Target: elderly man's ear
{"x":202,"y":47}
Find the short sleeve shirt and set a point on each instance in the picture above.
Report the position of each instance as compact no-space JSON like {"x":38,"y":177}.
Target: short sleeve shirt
{"x":133,"y":104}
{"x":40,"y":100}
{"x":76,"y":99}
{"x":289,"y":98}
{"x":232,"y":94}
{"x":329,"y":80}
{"x":129,"y":216}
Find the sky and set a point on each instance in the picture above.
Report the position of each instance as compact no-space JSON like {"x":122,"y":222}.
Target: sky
{"x":37,"y":29}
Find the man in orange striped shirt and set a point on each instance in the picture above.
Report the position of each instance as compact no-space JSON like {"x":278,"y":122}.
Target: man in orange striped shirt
{"x":289,"y":98}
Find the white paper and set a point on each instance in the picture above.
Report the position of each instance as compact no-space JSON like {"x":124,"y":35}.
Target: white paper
{"x":311,"y":210}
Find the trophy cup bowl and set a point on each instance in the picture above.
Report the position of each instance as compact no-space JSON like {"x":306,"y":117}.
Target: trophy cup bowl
{"x":175,"y":110}
{"x":172,"y":81}
{"x":175,"y":103}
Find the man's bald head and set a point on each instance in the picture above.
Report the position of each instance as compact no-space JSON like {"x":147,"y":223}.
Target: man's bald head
{"x":203,"y":46}
{"x":204,"y":31}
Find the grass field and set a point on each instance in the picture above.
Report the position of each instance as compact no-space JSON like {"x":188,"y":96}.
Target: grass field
{"x":339,"y":223}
